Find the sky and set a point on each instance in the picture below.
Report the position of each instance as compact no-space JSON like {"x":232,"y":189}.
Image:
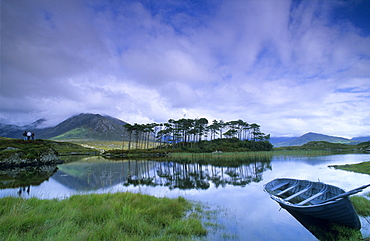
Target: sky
{"x":290,"y":66}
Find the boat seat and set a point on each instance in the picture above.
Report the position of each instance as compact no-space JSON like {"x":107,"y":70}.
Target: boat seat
{"x":279,"y":186}
{"x":299,"y":193}
{"x":313,"y":196}
{"x":288,"y":189}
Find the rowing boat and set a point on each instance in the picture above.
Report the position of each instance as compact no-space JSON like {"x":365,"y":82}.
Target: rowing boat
{"x":315,"y":199}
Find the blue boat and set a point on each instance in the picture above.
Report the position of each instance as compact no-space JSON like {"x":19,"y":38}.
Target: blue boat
{"x":315,"y":199}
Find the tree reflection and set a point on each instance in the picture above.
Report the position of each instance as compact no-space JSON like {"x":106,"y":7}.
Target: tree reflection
{"x":193,"y":175}
{"x":96,"y":173}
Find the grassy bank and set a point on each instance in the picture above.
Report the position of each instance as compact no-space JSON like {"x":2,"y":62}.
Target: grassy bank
{"x":363,"y":167}
{"x":360,"y":203}
{"x":10,"y":146}
{"x":120,"y":216}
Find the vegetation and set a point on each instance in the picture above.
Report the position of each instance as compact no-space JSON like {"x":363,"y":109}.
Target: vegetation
{"x":218,"y":145}
{"x":187,"y":132}
{"x":362,"y":205}
{"x":120,"y":216}
{"x":33,"y":148}
{"x":100,"y":145}
{"x":328,"y":146}
{"x":363,"y":167}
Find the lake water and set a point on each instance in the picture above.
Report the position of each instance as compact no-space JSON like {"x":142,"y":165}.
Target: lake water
{"x":234,"y":195}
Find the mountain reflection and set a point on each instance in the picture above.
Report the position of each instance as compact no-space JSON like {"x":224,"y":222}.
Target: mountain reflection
{"x":93,"y":175}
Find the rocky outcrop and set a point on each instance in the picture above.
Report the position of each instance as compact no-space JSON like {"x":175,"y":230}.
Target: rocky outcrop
{"x":48,"y":156}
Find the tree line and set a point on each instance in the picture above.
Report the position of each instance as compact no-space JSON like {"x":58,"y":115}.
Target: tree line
{"x":188,"y":132}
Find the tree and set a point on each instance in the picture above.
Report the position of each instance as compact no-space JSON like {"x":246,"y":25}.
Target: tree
{"x":200,"y":126}
{"x":185,"y":132}
{"x":129,"y":129}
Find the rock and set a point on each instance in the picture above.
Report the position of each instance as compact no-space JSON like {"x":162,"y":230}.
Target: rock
{"x":20,"y":159}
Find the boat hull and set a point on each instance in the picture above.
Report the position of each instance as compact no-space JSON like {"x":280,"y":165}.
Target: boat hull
{"x":339,"y":211}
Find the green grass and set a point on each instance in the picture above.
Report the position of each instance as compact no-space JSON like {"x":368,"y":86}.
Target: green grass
{"x":363,"y":167}
{"x":120,"y":216}
{"x":361,"y":204}
{"x":33,"y":148}
{"x":227,"y":157}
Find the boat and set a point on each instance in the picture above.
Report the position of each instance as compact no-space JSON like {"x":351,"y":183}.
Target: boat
{"x":315,"y":199}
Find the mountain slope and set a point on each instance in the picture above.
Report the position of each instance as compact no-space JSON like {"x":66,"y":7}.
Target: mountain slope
{"x":360,"y":139}
{"x":278,"y":140}
{"x":299,"y":141}
{"x":82,"y":126}
{"x":86,"y":126}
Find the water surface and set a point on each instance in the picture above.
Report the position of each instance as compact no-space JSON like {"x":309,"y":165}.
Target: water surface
{"x":244,"y":211}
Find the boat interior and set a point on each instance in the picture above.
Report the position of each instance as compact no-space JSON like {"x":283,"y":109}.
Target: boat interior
{"x":302,"y":192}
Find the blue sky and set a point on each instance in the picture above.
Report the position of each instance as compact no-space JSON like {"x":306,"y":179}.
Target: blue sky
{"x":291,"y":66}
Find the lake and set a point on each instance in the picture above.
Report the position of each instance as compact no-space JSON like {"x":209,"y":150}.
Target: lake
{"x":239,"y":208}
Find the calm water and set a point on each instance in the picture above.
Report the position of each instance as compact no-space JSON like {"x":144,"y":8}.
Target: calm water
{"x":244,"y":211}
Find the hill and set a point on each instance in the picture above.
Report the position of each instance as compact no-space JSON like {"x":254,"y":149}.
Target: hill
{"x":82,"y":126}
{"x":276,"y":141}
{"x":360,"y":139}
{"x":308,"y":137}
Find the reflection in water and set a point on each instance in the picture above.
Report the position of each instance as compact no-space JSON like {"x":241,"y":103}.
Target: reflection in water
{"x":324,"y":229}
{"x":93,"y":174}
{"x":25,"y":177}
{"x":246,"y":213}
{"x":193,"y":175}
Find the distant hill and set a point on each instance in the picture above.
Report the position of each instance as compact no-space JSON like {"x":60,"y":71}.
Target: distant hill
{"x":82,"y":126}
{"x":308,"y":137}
{"x":278,"y":140}
{"x":360,"y":139}
{"x":14,"y":131}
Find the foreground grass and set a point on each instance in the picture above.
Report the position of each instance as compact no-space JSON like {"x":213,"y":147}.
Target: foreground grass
{"x":120,"y":216}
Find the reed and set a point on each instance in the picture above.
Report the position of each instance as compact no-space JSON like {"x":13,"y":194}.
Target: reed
{"x":245,"y":156}
{"x":119,"y":216}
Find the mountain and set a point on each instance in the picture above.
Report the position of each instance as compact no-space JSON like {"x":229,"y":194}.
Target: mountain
{"x":360,"y":139}
{"x":14,"y":131}
{"x":277,"y":140}
{"x":82,"y":126}
{"x":299,"y":141}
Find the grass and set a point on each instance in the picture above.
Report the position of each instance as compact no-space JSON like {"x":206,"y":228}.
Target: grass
{"x":33,"y":148}
{"x":362,"y":205}
{"x":119,"y":216}
{"x":363,"y":167}
{"x":234,"y":158}
{"x":104,"y":145}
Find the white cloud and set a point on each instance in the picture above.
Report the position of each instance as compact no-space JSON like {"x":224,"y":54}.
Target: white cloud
{"x":289,"y":66}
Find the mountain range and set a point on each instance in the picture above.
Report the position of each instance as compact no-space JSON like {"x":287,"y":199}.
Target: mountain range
{"x":299,"y":141}
{"x":107,"y":128}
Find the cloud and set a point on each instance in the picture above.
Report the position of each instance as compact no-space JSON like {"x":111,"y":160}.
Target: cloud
{"x":290,"y":66}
